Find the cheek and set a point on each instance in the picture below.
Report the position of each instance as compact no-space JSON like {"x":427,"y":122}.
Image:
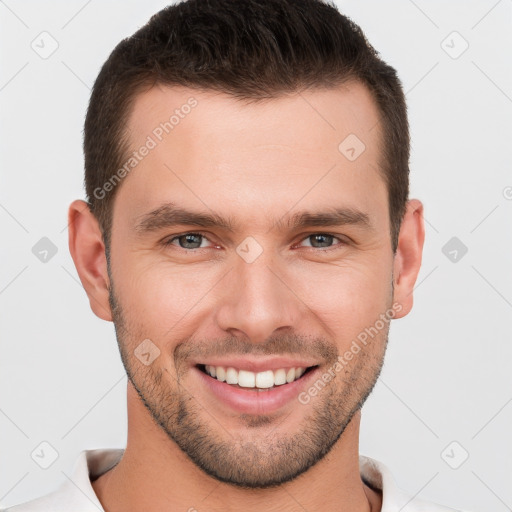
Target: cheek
{"x":163,"y":298}
{"x":347,"y":298}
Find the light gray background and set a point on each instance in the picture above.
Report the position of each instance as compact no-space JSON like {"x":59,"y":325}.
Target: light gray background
{"x":447,"y":373}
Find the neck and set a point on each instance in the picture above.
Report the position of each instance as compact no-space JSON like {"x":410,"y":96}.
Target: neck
{"x":155,"y":475}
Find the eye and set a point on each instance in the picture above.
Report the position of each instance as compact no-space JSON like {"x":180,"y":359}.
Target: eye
{"x":192,"y":241}
{"x":187,"y":241}
{"x":322,"y":240}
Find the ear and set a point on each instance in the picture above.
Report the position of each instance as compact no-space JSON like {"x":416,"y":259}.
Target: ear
{"x":407,"y":260}
{"x":88,"y":252}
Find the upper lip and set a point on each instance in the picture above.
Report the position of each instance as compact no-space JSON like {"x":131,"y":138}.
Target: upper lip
{"x":258,"y":364}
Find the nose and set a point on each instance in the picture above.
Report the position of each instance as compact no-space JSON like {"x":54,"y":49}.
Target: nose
{"x":257,"y":300}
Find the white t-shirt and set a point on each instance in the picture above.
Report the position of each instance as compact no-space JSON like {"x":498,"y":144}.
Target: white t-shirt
{"x":77,"y":494}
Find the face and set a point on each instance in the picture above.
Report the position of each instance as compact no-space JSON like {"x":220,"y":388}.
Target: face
{"x":246,"y":244}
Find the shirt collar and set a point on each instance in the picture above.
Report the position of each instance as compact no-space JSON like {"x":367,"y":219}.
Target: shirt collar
{"x":78,"y":491}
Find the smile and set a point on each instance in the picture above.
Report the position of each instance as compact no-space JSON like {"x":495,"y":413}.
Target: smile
{"x":263,"y":380}
{"x":254,"y":392}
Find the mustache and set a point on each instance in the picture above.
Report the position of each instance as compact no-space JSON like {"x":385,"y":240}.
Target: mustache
{"x":278,"y":345}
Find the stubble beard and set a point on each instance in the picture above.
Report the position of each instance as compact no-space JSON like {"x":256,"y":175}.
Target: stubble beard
{"x":260,"y":456}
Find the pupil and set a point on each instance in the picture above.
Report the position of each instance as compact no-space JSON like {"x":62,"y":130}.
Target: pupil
{"x":326,"y":238}
{"x":190,"y":239}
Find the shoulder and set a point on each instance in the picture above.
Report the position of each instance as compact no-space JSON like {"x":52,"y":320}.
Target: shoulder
{"x":44,"y":503}
{"x":378,"y":476}
{"x":75,"y":492}
{"x":418,"y":505}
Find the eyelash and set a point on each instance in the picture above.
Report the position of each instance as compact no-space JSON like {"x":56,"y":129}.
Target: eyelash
{"x":168,"y":242}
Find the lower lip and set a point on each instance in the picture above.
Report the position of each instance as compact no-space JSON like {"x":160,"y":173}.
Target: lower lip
{"x":250,"y":401}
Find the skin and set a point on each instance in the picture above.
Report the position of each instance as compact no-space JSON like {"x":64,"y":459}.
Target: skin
{"x":302,"y":296}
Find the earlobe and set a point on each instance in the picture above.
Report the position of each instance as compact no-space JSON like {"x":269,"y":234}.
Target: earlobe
{"x":408,"y":256}
{"x":88,"y":252}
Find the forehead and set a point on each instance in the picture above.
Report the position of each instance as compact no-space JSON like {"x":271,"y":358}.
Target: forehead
{"x":211,"y":150}
{"x":333,"y":113}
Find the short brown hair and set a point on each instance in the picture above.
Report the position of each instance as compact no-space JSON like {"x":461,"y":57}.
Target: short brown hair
{"x":252,"y":50}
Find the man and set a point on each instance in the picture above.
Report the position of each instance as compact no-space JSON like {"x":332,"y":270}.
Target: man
{"x":248,"y":230}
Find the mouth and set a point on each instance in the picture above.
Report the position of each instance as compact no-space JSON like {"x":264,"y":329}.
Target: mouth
{"x":254,"y":393}
{"x":255,"y":381}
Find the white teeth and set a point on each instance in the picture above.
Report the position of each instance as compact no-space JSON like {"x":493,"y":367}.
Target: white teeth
{"x":211,"y":370}
{"x":246,"y":379}
{"x":231,"y":376}
{"x":262,"y":380}
{"x":280,"y":377}
{"x":221,"y":373}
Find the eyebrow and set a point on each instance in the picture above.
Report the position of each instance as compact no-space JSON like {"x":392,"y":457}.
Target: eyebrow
{"x":169,"y":215}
